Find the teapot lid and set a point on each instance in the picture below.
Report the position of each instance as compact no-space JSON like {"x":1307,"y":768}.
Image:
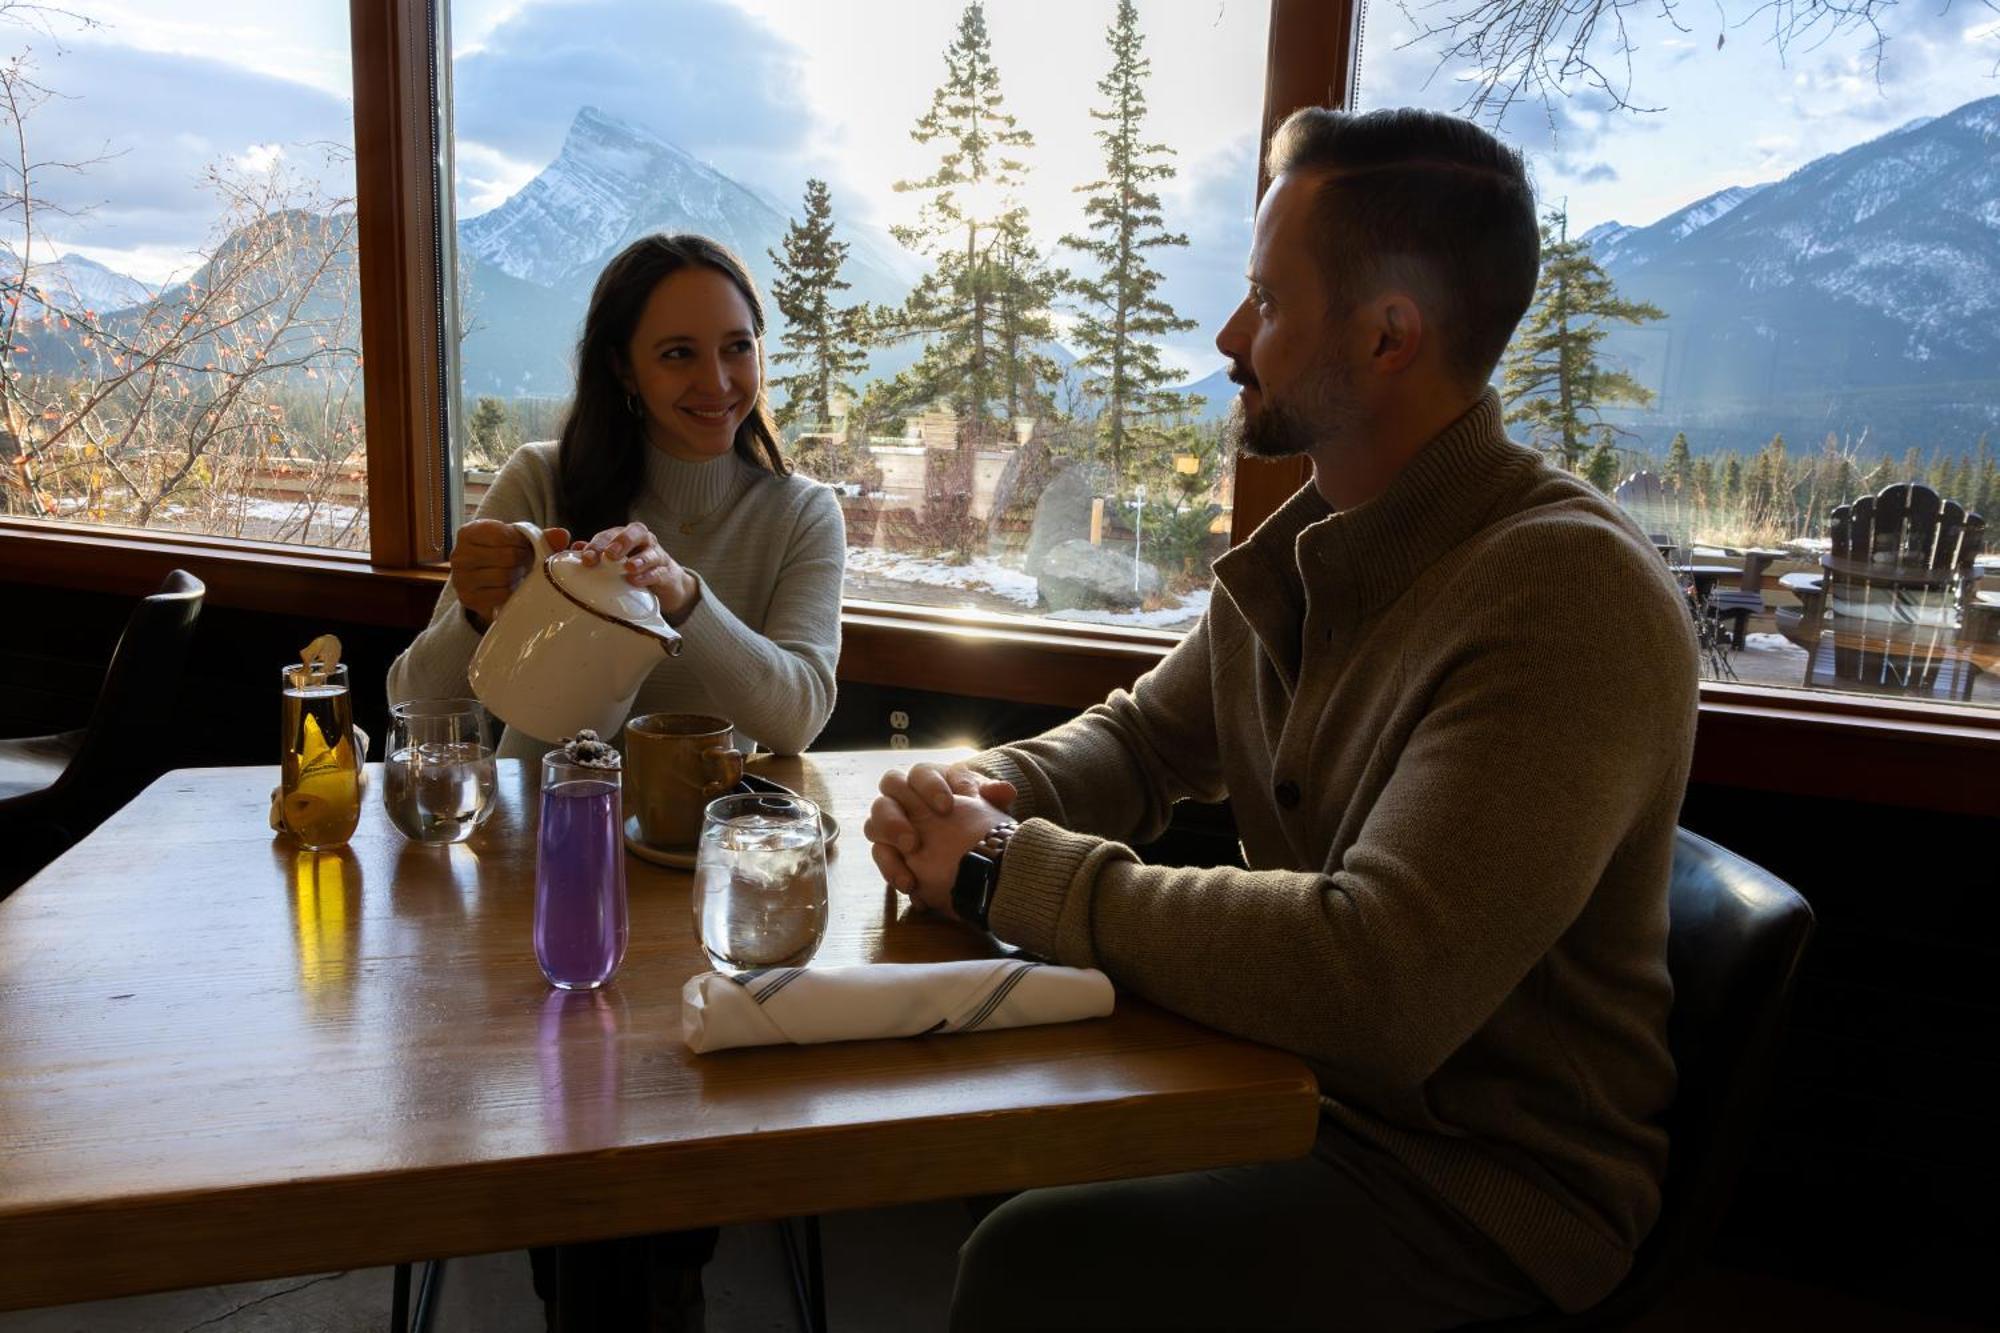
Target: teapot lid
{"x":602,"y":588}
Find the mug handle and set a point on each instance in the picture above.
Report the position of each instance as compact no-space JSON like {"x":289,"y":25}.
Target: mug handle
{"x":723,"y":767}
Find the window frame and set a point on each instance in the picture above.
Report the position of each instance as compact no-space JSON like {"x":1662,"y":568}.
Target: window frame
{"x":1841,"y":746}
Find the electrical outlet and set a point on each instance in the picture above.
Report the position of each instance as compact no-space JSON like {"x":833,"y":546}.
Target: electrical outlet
{"x":899,"y":720}
{"x":899,"y":741}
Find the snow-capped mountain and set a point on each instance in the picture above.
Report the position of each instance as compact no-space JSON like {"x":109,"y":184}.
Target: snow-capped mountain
{"x":533,"y":259}
{"x":72,"y":284}
{"x":1615,"y":243}
{"x":1862,"y":292}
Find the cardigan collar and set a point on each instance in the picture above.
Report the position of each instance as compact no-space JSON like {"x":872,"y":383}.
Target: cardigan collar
{"x":1350,"y":563}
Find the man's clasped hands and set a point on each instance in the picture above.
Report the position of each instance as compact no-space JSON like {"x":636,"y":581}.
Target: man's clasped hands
{"x":925,"y":821}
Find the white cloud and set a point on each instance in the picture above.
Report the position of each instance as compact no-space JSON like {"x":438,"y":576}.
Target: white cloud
{"x":487,"y":177}
{"x":260,"y":158}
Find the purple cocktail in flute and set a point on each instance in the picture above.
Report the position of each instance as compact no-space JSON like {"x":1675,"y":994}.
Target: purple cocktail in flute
{"x":580,"y":922}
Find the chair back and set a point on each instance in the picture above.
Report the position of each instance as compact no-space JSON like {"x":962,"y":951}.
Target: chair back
{"x":1655,"y":507}
{"x":1736,"y":934}
{"x":130,"y":737}
{"x":1899,"y":568}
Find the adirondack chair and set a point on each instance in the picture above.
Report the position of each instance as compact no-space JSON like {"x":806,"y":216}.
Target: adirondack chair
{"x":1885,"y":612}
{"x":1660,"y":513}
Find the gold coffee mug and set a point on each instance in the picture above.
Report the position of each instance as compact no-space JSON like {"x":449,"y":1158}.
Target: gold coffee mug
{"x":676,"y":763}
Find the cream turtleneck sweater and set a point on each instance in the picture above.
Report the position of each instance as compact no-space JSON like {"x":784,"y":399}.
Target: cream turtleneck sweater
{"x":761,"y":645}
{"x":1454,"y":725}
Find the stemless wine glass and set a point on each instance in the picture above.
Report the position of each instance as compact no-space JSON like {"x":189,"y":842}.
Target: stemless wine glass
{"x":438,"y":777}
{"x":760,"y":882}
{"x":320,"y":774}
{"x":580,"y":921}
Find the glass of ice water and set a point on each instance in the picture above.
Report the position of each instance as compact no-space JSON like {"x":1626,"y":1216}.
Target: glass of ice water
{"x":438,"y":777}
{"x":760,"y":882}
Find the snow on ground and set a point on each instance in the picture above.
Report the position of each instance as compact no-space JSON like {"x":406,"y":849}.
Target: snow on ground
{"x":981,"y":574}
{"x":1188,"y":610}
{"x":1771,"y":643}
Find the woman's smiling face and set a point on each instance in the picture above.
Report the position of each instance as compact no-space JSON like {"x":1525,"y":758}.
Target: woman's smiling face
{"x":693,"y":363}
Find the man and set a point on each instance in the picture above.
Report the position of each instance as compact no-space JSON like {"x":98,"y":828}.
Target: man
{"x":1449,"y":692}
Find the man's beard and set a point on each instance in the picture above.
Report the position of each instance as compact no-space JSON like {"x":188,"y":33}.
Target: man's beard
{"x":1319,"y":412}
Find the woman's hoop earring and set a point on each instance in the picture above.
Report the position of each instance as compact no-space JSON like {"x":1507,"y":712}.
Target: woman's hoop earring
{"x":635,"y":407}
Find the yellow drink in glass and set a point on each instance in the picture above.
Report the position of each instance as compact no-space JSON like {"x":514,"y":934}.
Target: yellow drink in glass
{"x":321,"y":796}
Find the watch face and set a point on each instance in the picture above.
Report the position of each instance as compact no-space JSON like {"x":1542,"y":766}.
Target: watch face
{"x":972,"y":891}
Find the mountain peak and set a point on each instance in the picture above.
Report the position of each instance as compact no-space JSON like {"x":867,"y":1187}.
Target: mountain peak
{"x":591,"y":122}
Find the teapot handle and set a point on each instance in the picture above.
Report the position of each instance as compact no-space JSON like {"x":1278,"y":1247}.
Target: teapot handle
{"x":536,"y":539}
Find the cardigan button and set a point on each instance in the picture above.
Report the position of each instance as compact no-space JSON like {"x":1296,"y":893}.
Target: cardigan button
{"x":1287,"y":793}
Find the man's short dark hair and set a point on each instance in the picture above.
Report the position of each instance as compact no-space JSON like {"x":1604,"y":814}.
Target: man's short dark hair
{"x":1426,"y":201}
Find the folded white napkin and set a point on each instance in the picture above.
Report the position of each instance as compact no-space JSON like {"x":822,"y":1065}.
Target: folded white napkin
{"x":813,"y":1004}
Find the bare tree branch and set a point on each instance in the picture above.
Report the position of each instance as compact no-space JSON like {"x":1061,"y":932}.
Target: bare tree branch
{"x":1547,"y":50}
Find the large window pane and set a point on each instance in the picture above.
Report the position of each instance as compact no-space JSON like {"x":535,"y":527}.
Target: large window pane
{"x":180,"y":339}
{"x":1773,"y":267}
{"x":998,"y":442}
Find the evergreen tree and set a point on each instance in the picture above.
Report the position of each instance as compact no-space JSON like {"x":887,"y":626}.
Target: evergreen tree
{"x":1960,"y":488}
{"x":1552,"y":376}
{"x":1913,"y":465}
{"x":1986,"y":493}
{"x":1680,"y":468}
{"x":1600,"y":467}
{"x":1704,"y":481}
{"x":978,"y":307}
{"x":823,"y":339}
{"x":1938,"y":475}
{"x":1121,"y":311}
{"x":1732,"y":480}
{"x":487,"y":429}
{"x":1026,"y":290}
{"x":1767,"y":493}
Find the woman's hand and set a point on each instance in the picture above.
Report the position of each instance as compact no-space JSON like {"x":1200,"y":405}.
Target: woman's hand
{"x":488,"y":561}
{"x":647,"y":565}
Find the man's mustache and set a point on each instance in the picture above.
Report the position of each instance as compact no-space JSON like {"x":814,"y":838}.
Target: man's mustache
{"x":1240,"y":377}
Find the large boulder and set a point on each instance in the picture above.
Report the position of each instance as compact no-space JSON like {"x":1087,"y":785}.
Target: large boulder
{"x":1076,"y":576}
{"x":1062,"y":511}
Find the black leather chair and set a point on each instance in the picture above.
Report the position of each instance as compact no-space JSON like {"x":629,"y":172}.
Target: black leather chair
{"x":1735,"y":938}
{"x":54,"y":789}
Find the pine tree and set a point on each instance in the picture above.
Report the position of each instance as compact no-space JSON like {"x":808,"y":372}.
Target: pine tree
{"x":1680,"y":468}
{"x":1122,"y":312}
{"x":1767,"y":481}
{"x":1732,"y":480}
{"x":978,"y":306}
{"x":1986,"y":493}
{"x":823,"y":339}
{"x":1552,"y":375}
{"x":1960,"y":488}
{"x":1600,"y":466}
{"x":487,"y":429}
{"x":1027,"y":289}
{"x":1704,"y":481}
{"x":1938,"y":475}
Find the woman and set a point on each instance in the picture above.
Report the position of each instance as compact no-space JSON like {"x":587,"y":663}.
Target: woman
{"x":668,"y":456}
{"x":669,"y":459}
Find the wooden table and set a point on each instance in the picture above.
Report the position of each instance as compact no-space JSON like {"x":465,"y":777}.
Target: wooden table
{"x":222,"y":1058}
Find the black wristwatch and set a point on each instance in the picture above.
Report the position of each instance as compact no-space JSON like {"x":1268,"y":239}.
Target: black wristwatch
{"x":979,"y":874}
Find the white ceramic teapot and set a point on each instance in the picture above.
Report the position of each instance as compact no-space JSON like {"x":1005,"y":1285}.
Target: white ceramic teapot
{"x":570,"y":647}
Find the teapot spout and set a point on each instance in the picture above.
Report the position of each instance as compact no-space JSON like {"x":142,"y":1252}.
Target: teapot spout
{"x":661,"y":633}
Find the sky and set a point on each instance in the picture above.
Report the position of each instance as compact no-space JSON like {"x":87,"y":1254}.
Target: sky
{"x":772,"y":91}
